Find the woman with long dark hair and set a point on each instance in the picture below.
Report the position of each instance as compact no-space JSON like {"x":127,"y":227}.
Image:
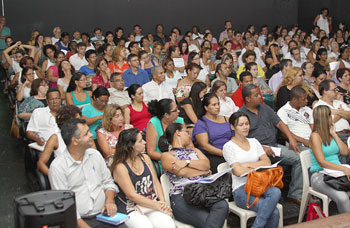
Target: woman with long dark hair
{"x":134,"y":174}
{"x":76,"y":92}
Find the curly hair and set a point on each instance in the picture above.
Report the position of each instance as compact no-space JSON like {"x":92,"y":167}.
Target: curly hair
{"x":65,"y":113}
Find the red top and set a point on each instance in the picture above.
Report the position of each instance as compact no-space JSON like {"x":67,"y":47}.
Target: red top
{"x":98,"y":80}
{"x":118,"y":69}
{"x":140,"y":119}
{"x":238,"y":98}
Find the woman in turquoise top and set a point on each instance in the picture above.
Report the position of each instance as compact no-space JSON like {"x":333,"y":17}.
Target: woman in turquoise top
{"x":93,"y":113}
{"x":164,"y":112}
{"x":325,"y":148}
{"x":76,"y":93}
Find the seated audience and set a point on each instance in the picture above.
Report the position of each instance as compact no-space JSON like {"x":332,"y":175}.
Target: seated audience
{"x":134,"y":174}
{"x":171,"y":76}
{"x":52,"y":72}
{"x":118,"y":94}
{"x":23,"y":90}
{"x":78,"y":59}
{"x":203,"y":74}
{"x":276,"y":79}
{"x":308,"y":69}
{"x":227,"y":106}
{"x":183,"y":164}
{"x":55,"y":143}
{"x":164,"y":112}
{"x":326,"y":148}
{"x":112,"y":125}
{"x":76,"y":92}
{"x":297,"y":116}
{"x":191,"y":107}
{"x":135,"y":75}
{"x":137,"y":112}
{"x":263,"y":124}
{"x":222,"y":73}
{"x":249,"y":57}
{"x":319,"y":75}
{"x":89,"y":169}
{"x":146,"y":63}
{"x":42,"y":123}
{"x":49,"y":51}
{"x":119,"y":63}
{"x":212,"y":131}
{"x":244,"y":154}
{"x":103,"y":74}
{"x":340,"y":110}
{"x":65,"y":72}
{"x":184,"y":85}
{"x":93,"y":113}
{"x":246,"y":78}
{"x":321,"y":59}
{"x":343,"y":76}
{"x":157,"y":88}
{"x":36,"y":100}
{"x":157,"y":54}
{"x":89,"y":69}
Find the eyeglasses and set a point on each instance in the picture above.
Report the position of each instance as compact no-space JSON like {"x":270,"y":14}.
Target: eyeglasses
{"x":101,"y":101}
{"x":185,"y":130}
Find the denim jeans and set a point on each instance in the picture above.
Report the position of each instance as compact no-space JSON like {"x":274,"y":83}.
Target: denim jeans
{"x":267,"y":212}
{"x":290,"y":157}
{"x":199,"y":217}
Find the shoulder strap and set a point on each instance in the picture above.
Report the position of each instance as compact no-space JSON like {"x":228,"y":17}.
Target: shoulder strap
{"x":207,"y":129}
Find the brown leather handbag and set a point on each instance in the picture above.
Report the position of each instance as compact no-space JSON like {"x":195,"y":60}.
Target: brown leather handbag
{"x":259,"y":181}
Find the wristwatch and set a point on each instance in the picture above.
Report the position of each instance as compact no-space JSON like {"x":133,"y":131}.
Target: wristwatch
{"x":188,"y":163}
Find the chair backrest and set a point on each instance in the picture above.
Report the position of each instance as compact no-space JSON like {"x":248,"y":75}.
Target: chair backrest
{"x":348,"y":142}
{"x":305,"y":160}
{"x":164,"y":181}
{"x":223,"y":166}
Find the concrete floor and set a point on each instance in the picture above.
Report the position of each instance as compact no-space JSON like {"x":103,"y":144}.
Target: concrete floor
{"x":13,"y":181}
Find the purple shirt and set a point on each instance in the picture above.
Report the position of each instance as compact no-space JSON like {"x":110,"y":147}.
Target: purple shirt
{"x":220,"y":133}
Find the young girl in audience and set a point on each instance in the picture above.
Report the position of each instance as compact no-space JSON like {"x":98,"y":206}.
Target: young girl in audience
{"x":23,"y":91}
{"x":311,"y":55}
{"x":76,"y":93}
{"x":174,"y":54}
{"x":205,"y":61}
{"x":204,"y":74}
{"x":137,"y":112}
{"x":320,"y":75}
{"x":19,"y":54}
{"x":52,"y":72}
{"x":257,"y":80}
{"x":182,"y":164}
{"x":65,"y":72}
{"x":119,"y":63}
{"x":184,"y":85}
{"x":326,"y":148}
{"x":112,"y":125}
{"x":103,"y":74}
{"x":49,"y":52}
{"x":244,"y":154}
{"x":183,"y":46}
{"x":171,"y":76}
{"x":157,"y":54}
{"x":134,"y":174}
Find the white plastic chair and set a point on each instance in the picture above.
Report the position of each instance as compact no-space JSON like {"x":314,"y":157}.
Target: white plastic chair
{"x":244,"y":214}
{"x":348,"y":142}
{"x":164,"y":180}
{"x":305,"y":159}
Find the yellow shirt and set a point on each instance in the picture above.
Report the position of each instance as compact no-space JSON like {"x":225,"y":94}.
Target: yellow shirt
{"x":261,"y":72}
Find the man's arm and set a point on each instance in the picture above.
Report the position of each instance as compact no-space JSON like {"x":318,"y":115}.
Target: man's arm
{"x":292,"y":142}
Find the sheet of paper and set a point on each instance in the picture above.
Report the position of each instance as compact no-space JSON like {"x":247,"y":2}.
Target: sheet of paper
{"x":277,"y":151}
{"x":335,"y":173}
{"x":36,"y":146}
{"x":334,"y":65}
{"x":179,"y":62}
{"x":205,"y":180}
{"x":260,"y":168}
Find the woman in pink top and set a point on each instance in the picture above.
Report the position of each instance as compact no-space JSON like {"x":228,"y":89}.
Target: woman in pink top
{"x":112,"y":125}
{"x":103,"y":73}
{"x":52,"y":71}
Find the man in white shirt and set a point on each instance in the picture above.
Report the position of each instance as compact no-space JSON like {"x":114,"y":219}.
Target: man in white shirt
{"x":340,"y":111}
{"x":157,"y":89}
{"x":56,"y":35}
{"x":78,"y":59}
{"x":118,"y":94}
{"x":297,"y":116}
{"x":223,"y":34}
{"x":84,"y":171}
{"x":42,"y":123}
{"x":297,"y":60}
{"x":277,"y":78}
{"x":315,"y":33}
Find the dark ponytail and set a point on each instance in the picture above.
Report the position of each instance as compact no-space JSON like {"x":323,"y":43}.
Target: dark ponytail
{"x":160,"y":108}
{"x":167,"y":138}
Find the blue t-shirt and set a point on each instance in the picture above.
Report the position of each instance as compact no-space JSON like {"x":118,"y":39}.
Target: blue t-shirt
{"x":89,"y":111}
{"x":330,"y":153}
{"x":130,"y":78}
{"x":220,"y":133}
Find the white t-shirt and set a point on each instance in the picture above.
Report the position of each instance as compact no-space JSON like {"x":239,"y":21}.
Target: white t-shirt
{"x":77,"y":62}
{"x":227,"y":107}
{"x":298,"y":122}
{"x":233,"y":153}
{"x":341,"y":124}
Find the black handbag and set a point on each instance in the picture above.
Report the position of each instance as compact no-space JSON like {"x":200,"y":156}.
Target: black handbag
{"x":338,"y":183}
{"x":199,"y":194}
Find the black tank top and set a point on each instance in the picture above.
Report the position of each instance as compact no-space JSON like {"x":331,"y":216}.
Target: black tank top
{"x":143,"y":185}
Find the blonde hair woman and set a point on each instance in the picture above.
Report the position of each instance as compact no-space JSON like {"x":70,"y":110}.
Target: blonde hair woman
{"x":294,"y":77}
{"x":119,"y":63}
{"x":112,"y":125}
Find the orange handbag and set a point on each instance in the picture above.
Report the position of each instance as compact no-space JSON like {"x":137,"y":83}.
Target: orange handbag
{"x":259,"y":181}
